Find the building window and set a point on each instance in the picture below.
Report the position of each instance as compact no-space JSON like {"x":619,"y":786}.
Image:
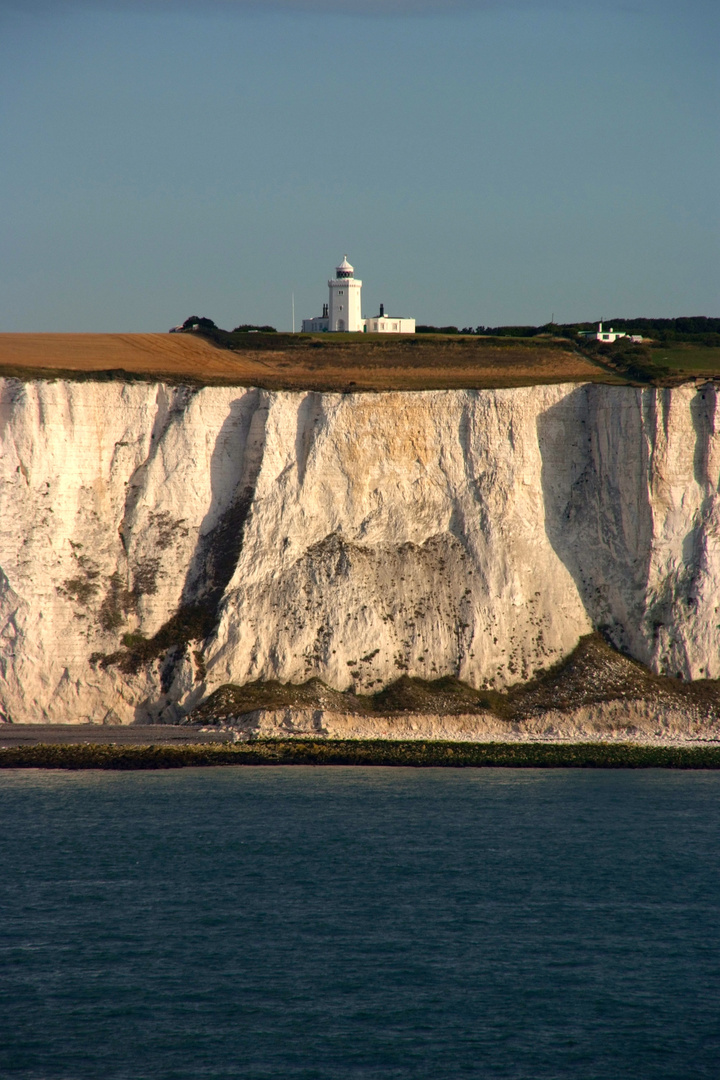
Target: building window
{"x":340,"y":292}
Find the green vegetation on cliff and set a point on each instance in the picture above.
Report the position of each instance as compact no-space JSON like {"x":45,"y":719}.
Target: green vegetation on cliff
{"x":593,"y":674}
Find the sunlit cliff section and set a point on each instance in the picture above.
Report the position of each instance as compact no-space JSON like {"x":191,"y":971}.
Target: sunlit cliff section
{"x":157,"y":542}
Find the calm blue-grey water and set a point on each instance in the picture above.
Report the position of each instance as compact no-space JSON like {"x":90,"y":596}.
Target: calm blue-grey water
{"x":322,"y":923}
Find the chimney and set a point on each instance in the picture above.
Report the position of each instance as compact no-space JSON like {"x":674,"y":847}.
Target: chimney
{"x":382,"y":310}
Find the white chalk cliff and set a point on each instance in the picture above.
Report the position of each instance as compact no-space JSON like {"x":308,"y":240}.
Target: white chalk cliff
{"x":354,"y":537}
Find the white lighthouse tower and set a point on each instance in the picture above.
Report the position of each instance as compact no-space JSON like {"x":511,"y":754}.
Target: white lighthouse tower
{"x":344,"y":312}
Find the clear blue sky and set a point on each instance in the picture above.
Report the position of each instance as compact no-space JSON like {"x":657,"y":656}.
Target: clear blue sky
{"x":479,"y":162}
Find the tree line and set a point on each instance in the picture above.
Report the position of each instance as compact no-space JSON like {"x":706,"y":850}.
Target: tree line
{"x":698,"y":329}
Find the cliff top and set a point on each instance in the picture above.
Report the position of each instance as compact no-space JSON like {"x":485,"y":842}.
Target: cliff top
{"x":350,"y":361}
{"x":300,"y":362}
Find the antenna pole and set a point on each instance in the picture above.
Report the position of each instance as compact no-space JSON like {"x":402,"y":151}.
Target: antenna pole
{"x":293,"y":312}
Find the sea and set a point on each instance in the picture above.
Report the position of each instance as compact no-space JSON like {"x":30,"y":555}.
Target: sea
{"x":333,"y":923}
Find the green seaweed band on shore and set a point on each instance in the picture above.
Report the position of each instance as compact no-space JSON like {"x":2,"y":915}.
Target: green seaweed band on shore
{"x":365,"y":752}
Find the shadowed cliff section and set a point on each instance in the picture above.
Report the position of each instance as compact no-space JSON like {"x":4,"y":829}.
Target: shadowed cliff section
{"x":234,"y":468}
{"x":607,"y":486}
{"x":597,"y":505}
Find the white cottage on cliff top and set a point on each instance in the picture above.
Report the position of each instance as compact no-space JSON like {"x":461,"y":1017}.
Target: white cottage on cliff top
{"x":608,"y":335}
{"x":343,"y":312}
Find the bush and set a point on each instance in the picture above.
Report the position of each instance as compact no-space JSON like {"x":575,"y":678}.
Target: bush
{"x":436,"y":330}
{"x":199,"y":322}
{"x":247,"y":328}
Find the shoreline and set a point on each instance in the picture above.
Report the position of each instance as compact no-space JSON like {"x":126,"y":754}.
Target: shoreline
{"x":360,"y":752}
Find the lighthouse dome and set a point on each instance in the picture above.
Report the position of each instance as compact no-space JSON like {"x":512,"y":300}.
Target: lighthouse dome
{"x":344,"y":270}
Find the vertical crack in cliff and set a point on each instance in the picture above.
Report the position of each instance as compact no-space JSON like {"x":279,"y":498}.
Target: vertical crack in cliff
{"x":171,"y":405}
{"x":598,"y":513}
{"x":129,"y":582}
{"x":309,"y":415}
{"x":679,"y":603}
{"x":703,"y":411}
{"x":240,"y":442}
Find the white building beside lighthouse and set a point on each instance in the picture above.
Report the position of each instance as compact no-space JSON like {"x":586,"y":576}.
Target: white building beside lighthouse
{"x":343,"y":313}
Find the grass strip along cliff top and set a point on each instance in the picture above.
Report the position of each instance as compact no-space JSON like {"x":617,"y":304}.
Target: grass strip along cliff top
{"x":330,"y":362}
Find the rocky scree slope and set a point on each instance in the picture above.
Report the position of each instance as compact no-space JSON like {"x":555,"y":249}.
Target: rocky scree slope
{"x":159,"y":542}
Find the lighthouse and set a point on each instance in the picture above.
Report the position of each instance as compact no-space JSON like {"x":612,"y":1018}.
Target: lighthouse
{"x":344,"y":310}
{"x":343,"y":313}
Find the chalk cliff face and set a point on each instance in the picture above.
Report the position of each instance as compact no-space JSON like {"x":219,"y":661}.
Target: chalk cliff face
{"x":354,"y":537}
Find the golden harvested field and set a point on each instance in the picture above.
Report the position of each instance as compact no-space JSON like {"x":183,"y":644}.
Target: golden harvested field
{"x":283,"y":361}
